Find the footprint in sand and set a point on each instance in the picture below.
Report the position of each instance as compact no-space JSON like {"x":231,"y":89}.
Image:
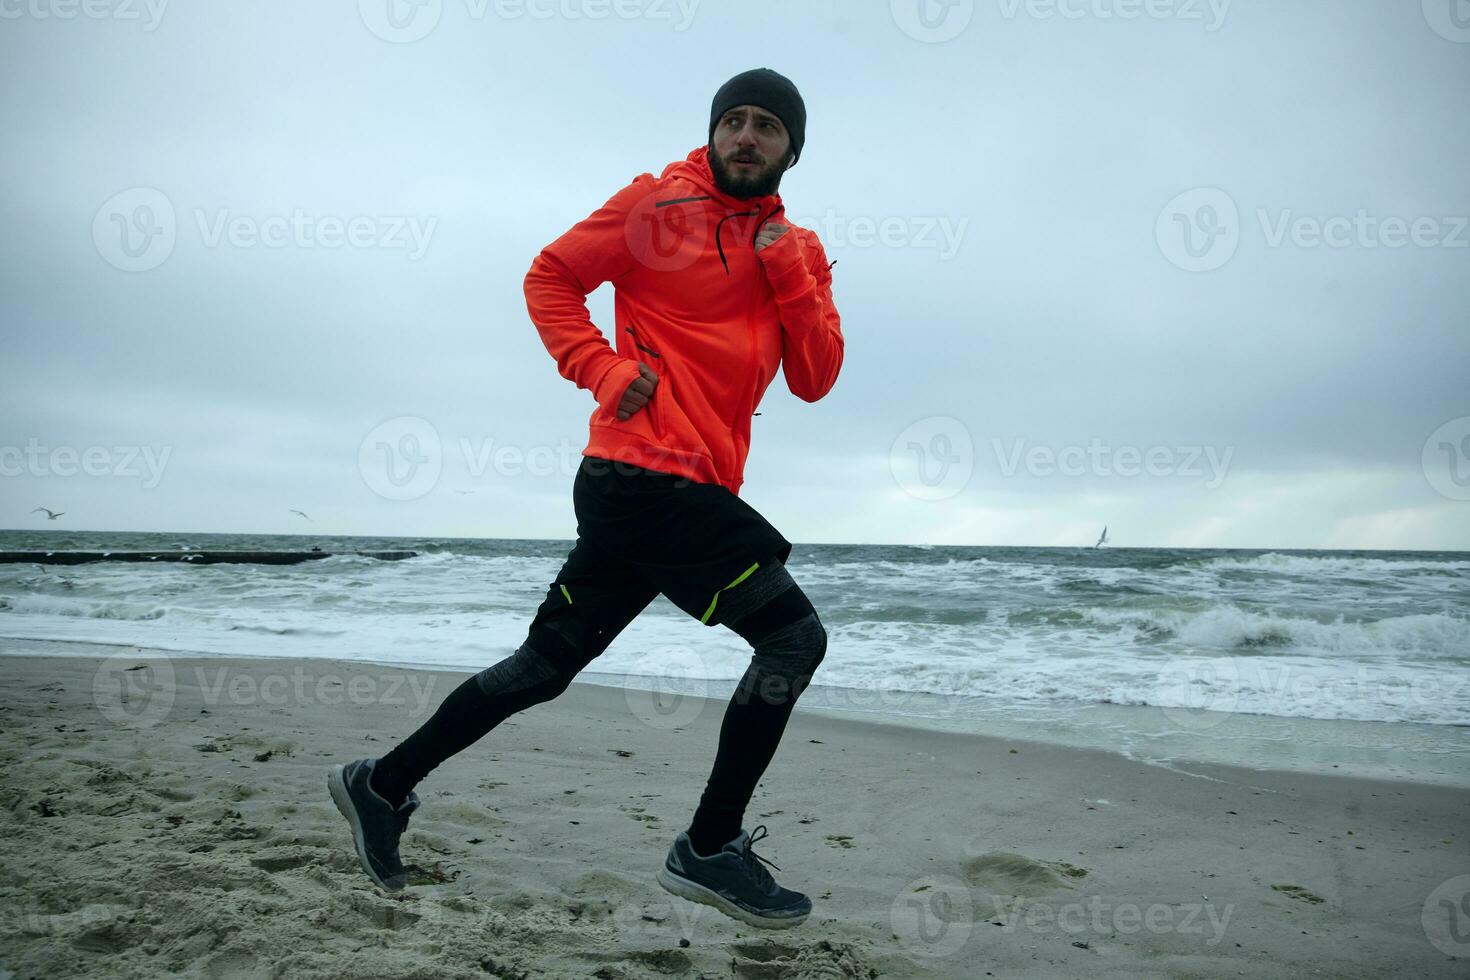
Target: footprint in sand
{"x":276,"y":860}
{"x":821,"y":960}
{"x":1001,"y":873}
{"x":666,"y":961}
{"x":232,"y":966}
{"x":1299,"y":893}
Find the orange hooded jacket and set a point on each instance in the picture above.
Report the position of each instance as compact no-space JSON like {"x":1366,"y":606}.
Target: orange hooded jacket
{"x":699,"y":305}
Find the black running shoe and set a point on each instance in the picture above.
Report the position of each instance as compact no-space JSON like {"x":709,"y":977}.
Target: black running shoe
{"x":734,"y":882}
{"x":376,"y":826}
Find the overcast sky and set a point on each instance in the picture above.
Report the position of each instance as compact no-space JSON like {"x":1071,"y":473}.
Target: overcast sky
{"x":1197,"y":271}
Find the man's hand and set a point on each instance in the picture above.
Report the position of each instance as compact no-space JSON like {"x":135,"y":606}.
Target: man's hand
{"x":768,"y":234}
{"x":638,"y":393}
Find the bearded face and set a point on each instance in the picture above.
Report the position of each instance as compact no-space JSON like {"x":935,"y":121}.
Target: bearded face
{"x":749,"y":152}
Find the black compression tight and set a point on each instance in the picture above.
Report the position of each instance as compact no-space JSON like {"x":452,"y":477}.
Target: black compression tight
{"x":788,"y":642}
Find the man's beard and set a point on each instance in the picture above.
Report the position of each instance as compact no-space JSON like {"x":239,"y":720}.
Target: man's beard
{"x":760,"y":184}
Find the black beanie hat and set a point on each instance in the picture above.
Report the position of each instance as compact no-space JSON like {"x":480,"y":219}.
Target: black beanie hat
{"x":771,"y":91}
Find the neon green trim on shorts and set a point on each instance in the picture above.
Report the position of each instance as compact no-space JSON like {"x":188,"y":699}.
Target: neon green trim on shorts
{"x":741,"y":578}
{"x":567,"y":594}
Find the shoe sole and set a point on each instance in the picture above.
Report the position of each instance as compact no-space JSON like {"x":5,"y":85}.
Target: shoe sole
{"x":695,"y":892}
{"x":337,"y":785}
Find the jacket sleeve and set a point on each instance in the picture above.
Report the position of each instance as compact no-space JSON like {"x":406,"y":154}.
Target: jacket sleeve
{"x":811,"y":331}
{"x":592,"y":252}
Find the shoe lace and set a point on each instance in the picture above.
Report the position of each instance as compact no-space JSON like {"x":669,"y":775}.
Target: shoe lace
{"x":753,"y":861}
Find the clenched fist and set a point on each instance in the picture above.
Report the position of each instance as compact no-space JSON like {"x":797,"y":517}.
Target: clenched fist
{"x":768,"y":234}
{"x":638,"y":393}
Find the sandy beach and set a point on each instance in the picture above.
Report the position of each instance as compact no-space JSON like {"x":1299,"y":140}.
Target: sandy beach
{"x":166,"y":816}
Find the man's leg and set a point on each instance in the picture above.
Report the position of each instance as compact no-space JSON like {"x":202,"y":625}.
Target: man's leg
{"x":772,"y":613}
{"x":593,"y":598}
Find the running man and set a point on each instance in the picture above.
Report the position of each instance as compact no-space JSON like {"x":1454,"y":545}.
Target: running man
{"x":712,"y":295}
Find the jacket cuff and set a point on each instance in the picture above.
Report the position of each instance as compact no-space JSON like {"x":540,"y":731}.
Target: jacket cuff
{"x":785,"y":270}
{"x":614,"y":382}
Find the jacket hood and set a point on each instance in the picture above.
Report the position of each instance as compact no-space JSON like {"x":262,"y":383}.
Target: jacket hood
{"x":695,"y":168}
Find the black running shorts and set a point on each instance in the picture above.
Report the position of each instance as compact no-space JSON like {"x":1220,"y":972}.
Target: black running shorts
{"x":641,"y":532}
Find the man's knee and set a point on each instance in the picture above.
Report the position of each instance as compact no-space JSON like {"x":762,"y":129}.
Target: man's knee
{"x":548,"y":661}
{"x":519,"y":672}
{"x":792,"y":653}
{"x":788,"y":640}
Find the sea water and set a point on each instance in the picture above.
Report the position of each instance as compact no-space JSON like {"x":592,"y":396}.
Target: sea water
{"x":1350,"y":661}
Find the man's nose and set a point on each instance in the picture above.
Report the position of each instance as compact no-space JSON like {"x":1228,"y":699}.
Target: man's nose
{"x":746,"y":136}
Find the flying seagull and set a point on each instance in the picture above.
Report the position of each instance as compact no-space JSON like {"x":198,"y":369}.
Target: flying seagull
{"x":51,"y":515}
{"x":1104,"y":539}
{"x":302,"y":513}
{"x":464,"y":491}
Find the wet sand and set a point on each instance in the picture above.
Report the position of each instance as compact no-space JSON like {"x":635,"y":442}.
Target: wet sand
{"x":166,"y":816}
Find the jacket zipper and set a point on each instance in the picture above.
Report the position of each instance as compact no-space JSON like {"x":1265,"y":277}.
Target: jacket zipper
{"x":750,"y":313}
{"x":637,"y":344}
{"x":655,"y":404}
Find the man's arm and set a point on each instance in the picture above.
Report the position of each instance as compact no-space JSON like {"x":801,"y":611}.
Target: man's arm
{"x":811,"y":331}
{"x":592,"y":252}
